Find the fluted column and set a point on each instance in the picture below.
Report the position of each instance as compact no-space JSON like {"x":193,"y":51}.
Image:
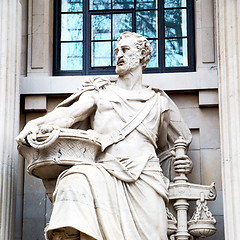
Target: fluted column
{"x":228,"y":36}
{"x":10,"y":43}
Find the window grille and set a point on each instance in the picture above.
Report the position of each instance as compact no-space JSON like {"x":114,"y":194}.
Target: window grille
{"x":86,"y":33}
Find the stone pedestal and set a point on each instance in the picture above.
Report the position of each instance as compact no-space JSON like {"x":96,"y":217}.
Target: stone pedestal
{"x":10,"y":44}
{"x":228,"y":36}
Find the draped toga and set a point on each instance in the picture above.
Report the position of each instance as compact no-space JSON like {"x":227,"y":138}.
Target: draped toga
{"x":116,"y":198}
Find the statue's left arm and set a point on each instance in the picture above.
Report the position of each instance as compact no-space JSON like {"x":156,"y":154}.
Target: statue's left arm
{"x":180,"y":162}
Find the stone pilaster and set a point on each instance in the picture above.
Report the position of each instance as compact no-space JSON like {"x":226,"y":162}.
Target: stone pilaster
{"x":228,"y":36}
{"x":10,"y":44}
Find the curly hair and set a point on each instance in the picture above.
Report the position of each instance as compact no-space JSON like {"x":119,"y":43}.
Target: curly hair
{"x":141,"y":43}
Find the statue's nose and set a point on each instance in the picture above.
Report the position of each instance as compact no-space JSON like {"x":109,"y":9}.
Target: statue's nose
{"x":120,"y":54}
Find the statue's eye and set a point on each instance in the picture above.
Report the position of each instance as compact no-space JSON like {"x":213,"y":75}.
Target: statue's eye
{"x":125,"y":49}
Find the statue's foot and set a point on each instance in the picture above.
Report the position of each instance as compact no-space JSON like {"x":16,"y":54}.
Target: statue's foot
{"x":57,"y":235}
{"x":65,"y":234}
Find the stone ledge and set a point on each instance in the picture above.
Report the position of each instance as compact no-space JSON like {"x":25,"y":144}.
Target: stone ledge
{"x":42,"y":84}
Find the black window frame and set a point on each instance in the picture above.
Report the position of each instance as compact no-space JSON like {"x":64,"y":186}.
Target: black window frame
{"x":88,"y":70}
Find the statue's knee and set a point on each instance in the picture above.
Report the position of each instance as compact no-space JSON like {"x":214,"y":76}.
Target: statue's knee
{"x":73,"y":180}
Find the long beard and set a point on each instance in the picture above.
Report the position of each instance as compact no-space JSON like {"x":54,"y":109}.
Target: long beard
{"x":130,"y":64}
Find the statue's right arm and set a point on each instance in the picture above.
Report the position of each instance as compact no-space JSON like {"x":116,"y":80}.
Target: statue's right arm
{"x":62,"y":117}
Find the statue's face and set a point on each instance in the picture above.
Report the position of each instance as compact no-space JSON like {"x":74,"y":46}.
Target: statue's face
{"x":127,"y":56}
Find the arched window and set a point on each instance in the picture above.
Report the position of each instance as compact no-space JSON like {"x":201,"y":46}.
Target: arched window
{"x":86,"y":33}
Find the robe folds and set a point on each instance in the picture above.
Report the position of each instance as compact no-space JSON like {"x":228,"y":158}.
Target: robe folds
{"x":112,"y":200}
{"x":116,"y":198}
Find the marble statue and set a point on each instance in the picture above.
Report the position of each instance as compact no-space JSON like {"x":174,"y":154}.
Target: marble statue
{"x":122,"y":194}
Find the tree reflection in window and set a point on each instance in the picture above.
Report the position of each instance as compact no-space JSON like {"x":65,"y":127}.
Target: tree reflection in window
{"x":106,"y":28}
{"x":176,"y":45}
{"x":89,"y":31}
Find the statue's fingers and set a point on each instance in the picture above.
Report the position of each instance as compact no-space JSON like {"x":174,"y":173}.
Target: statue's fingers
{"x":50,"y":128}
{"x":181,"y":167}
{"x":177,"y":162}
{"x":181,"y":170}
{"x":181,"y":157}
{"x":186,"y":161}
{"x":46,"y":128}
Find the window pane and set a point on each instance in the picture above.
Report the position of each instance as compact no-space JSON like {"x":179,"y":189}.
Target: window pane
{"x":175,"y":3}
{"x":176,"y":52}
{"x":72,"y":5}
{"x":101,"y":27}
{"x":123,"y":4}
{"x":146,"y":4}
{"x":121,"y":23}
{"x":101,"y":54}
{"x":100,"y":4}
{"x":71,"y":56}
{"x":146,"y":23}
{"x":154,"y":56}
{"x":176,"y":23}
{"x":114,"y":44}
{"x":72,"y":27}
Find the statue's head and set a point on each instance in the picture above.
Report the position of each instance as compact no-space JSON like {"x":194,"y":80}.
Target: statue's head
{"x":132,"y":50}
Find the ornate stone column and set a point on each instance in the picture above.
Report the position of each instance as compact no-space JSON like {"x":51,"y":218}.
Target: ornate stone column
{"x":10,"y":45}
{"x":228,"y":37}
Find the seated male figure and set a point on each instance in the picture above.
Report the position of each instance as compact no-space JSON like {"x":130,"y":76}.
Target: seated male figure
{"x":123,"y":195}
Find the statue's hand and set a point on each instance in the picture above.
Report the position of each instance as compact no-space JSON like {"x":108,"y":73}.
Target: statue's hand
{"x":183,"y":164}
{"x":30,"y":128}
